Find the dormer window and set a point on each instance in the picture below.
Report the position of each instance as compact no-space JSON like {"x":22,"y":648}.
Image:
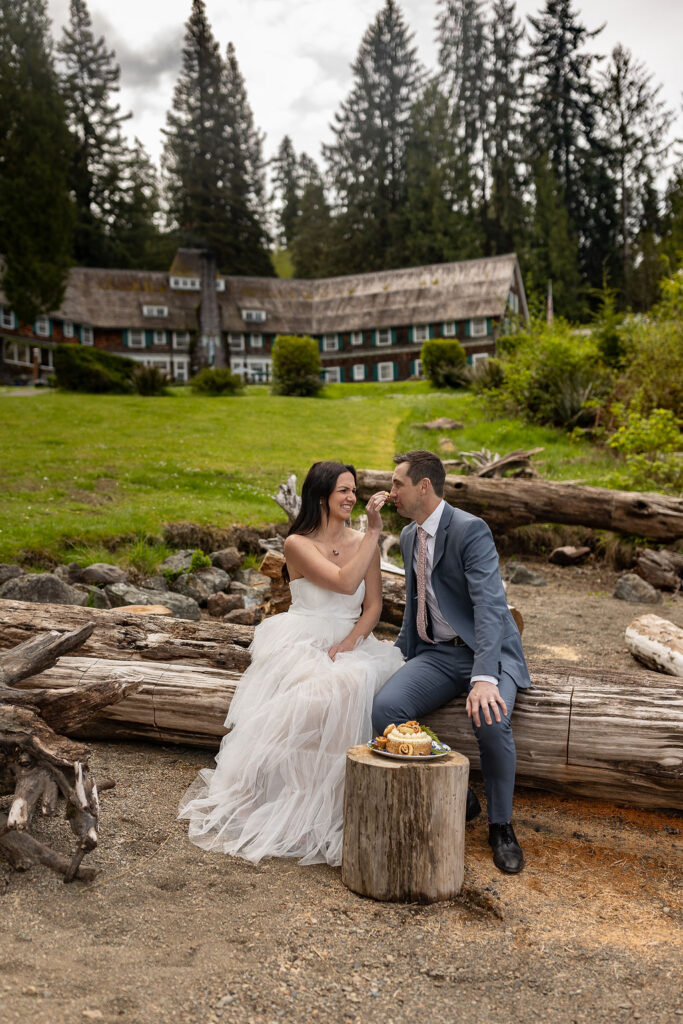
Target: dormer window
{"x":186,"y":284}
{"x":157,"y":311}
{"x":254,"y":316}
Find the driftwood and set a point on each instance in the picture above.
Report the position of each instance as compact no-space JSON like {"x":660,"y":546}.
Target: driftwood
{"x":657,"y":643}
{"x":288,"y":499}
{"x":404,"y":827}
{"x":490,"y":464}
{"x":38,"y":767}
{"x":505,"y":504}
{"x":662,"y":569}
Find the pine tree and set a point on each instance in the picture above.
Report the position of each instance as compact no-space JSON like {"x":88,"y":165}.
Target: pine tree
{"x":367,"y":159}
{"x":312,"y":238}
{"x":36,"y":212}
{"x":137,"y":241}
{"x":90,"y":78}
{"x":287,"y":189}
{"x":553,"y":251}
{"x":672,"y":221}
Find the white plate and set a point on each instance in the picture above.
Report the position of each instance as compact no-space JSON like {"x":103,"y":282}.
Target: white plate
{"x":438,"y":750}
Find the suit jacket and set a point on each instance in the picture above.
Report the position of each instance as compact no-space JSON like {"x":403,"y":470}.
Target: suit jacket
{"x":468,"y":587}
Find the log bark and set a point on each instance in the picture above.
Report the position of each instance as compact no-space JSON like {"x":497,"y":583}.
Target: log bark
{"x":662,"y":569}
{"x":404,"y":827}
{"x":117,"y":634}
{"x":613,"y":735}
{"x":657,"y":643}
{"x":505,"y":504}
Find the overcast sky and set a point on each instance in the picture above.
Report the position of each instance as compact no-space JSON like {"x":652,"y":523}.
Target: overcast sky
{"x":295,"y":54}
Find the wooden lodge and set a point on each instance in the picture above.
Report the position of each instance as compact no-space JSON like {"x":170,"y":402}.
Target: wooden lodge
{"x":368,"y":326}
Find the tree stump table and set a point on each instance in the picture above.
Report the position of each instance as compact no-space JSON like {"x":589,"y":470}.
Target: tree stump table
{"x":404,"y":826}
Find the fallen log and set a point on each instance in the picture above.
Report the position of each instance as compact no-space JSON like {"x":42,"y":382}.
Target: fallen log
{"x":505,"y":504}
{"x":656,"y":643}
{"x":117,"y":633}
{"x":612,"y":735}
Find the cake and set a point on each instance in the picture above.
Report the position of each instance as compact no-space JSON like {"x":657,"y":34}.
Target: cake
{"x":407,"y":738}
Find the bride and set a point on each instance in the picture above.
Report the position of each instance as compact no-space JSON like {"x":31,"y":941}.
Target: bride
{"x":278,"y":786}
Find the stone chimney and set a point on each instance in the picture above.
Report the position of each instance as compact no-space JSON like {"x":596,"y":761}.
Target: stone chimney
{"x":212,"y":351}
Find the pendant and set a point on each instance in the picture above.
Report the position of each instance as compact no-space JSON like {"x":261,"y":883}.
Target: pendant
{"x":334,"y":552}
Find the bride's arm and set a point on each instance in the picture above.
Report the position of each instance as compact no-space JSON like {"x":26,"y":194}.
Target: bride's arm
{"x":304,"y":558}
{"x":372,"y":608}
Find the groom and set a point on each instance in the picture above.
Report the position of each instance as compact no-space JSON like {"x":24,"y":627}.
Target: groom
{"x":458,"y":637}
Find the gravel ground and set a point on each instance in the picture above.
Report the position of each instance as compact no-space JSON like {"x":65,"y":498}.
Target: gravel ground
{"x":590,"y":931}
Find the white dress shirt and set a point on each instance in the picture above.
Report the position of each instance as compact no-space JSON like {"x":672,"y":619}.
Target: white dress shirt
{"x":441,"y":630}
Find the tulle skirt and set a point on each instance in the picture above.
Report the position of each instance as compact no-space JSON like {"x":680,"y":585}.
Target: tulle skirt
{"x":278,"y":786}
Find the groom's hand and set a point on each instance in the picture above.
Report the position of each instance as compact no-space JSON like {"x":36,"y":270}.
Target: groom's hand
{"x":485,"y":697}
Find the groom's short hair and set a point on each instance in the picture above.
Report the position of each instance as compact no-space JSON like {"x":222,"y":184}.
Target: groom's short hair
{"x":423,"y":464}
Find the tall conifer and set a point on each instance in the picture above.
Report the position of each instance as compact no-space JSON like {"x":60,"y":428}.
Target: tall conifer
{"x":312,"y":238}
{"x":287,"y":189}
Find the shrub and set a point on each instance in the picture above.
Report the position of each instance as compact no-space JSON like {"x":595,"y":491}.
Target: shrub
{"x":296,"y":366}
{"x":199,"y":560}
{"x":150,"y":380}
{"x":651,"y":445}
{"x":91,"y":370}
{"x":444,"y":363}
{"x":488,"y":376}
{"x":216,"y":381}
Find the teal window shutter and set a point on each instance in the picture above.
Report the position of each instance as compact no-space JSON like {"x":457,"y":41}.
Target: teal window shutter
{"x":124,"y":337}
{"x":393,"y":335}
{"x":341,"y":374}
{"x":374,"y":371}
{"x":412,"y":367}
{"x":467,"y":328}
{"x":395,"y":371}
{"x":411,"y":333}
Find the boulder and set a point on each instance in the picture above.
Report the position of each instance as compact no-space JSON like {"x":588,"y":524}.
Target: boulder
{"x":43,"y":588}
{"x":276,"y":543}
{"x":569,"y":555}
{"x":178,"y":562}
{"x":635,"y":590}
{"x":155,"y":583}
{"x":227,"y":559}
{"x":122,"y":594}
{"x":94,"y":596}
{"x":251,"y":577}
{"x":69,"y":573}
{"x":245,"y":616}
{"x":250,"y":595}
{"x":100,"y":573}
{"x":9,"y":572}
{"x":219,"y":605}
{"x":515,"y":572}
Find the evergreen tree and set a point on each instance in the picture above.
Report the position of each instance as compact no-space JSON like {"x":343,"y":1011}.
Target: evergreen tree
{"x":312,"y":234}
{"x":672,"y":222}
{"x":367,"y":159}
{"x":36,"y":212}
{"x":636,"y":124}
{"x":287,"y":190}
{"x":553,"y":251}
{"x":90,"y":78}
{"x":137,"y":240}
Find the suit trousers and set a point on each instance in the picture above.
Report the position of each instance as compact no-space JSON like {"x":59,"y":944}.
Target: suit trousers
{"x":435,"y":676}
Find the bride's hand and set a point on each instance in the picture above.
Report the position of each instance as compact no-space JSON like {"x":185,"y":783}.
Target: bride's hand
{"x":376,"y":502}
{"x":341,"y":648}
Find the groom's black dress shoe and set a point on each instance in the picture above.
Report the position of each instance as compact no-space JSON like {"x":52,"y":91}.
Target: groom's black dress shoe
{"x":507,"y":853}
{"x":472,"y":807}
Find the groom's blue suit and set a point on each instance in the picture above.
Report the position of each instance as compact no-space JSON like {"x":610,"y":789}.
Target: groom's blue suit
{"x":469,"y":591}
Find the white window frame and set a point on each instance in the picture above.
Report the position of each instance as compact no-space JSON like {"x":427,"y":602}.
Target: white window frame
{"x":43,"y":326}
{"x":254,"y":316}
{"x":220,"y":284}
{"x":180,"y":369}
{"x":256,"y":340}
{"x":382,"y":368}
{"x":330,"y":343}
{"x":87,"y":336}
{"x":155,"y":311}
{"x":12,"y":350}
{"x":478,"y":323}
{"x":236,"y":342}
{"x":381,"y":339}
{"x":68,"y":328}
{"x":159,"y":338}
{"x":136,"y":338}
{"x":356,"y":337}
{"x":513,"y":302}
{"x":420,"y":332}
{"x":358,"y":371}
{"x":418,"y":369}
{"x":332,"y":374}
{"x":186,"y":284}
{"x":450,"y":329}
{"x":479,"y":359}
{"x":181,"y":340}
{"x":7,"y":319}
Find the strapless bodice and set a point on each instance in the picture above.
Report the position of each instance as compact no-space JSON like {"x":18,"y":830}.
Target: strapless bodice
{"x":310,"y":599}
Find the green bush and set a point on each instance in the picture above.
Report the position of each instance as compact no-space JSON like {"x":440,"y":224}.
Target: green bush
{"x":199,"y":560}
{"x":444,"y":363}
{"x":296,"y":366}
{"x":217,"y":381}
{"x":150,"y":380}
{"x":651,"y":445}
{"x":92,"y":370}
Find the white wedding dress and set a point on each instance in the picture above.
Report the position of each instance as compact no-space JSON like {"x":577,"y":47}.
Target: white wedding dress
{"x":278,"y":786}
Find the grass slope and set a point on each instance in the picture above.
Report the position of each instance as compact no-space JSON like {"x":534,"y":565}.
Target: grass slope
{"x":77,"y":470}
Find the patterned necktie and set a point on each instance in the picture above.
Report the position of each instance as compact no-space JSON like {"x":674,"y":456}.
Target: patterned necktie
{"x":422,"y":585}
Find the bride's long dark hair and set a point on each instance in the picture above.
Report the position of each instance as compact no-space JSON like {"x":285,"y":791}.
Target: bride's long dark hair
{"x":316,"y":489}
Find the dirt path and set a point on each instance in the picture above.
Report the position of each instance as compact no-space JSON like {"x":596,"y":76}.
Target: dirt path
{"x":590,"y":931}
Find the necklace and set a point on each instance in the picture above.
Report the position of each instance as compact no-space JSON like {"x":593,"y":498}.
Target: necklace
{"x":334,"y":552}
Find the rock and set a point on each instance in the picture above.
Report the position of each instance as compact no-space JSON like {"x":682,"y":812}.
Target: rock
{"x":220,"y":604}
{"x":658,"y":568}
{"x":179,"y":562}
{"x":94,"y":596}
{"x":518,"y":573}
{"x":43,"y":588}
{"x":9,"y":572}
{"x":442,"y":423}
{"x":635,"y":590}
{"x":245,"y":616}
{"x":272,"y":565}
{"x":122,"y":594}
{"x":250,"y":595}
{"x":100,"y":573}
{"x":251,"y":577}
{"x":272,"y":544}
{"x":569,"y":555}
{"x":446,"y":445}
{"x":227,"y":559}
{"x":214,"y":577}
{"x":69,"y":573}
{"x":155,"y":583}
{"x":201,"y":585}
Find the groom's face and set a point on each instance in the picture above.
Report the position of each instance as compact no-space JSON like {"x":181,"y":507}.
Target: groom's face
{"x":405,"y":495}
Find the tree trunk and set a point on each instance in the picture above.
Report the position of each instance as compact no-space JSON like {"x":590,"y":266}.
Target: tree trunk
{"x":657,"y":643}
{"x":404,"y":827}
{"x":505,"y":504}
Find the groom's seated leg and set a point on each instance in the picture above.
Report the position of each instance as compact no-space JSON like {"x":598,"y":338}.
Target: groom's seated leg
{"x":431,"y":679}
{"x":498,"y":757}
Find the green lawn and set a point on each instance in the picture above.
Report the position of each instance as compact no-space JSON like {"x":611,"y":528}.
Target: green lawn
{"x":79,"y":469}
